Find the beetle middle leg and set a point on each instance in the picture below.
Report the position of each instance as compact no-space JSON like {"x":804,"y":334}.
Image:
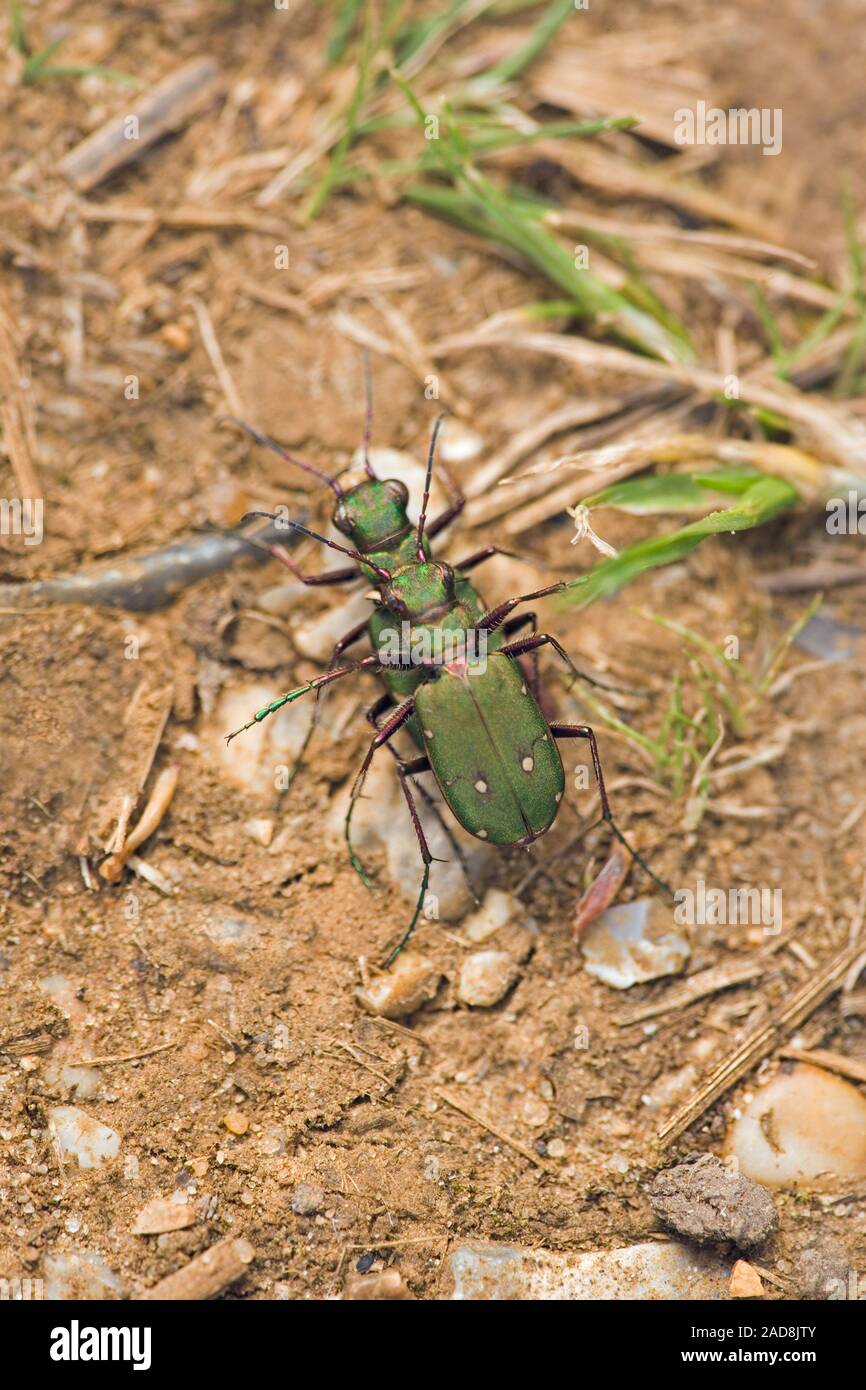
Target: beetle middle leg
{"x":406,"y":773}
{"x":584,"y":731}
{"x":374,"y":713}
{"x":400,"y":716}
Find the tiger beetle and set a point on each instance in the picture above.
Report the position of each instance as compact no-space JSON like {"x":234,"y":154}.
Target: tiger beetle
{"x":457,"y":686}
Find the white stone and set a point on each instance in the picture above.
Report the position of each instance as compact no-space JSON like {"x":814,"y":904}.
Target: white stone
{"x":805,"y":1126}
{"x":634,"y":942}
{"x":458,"y":443}
{"x":485,"y":978}
{"x":79,"y":1274}
{"x":253,"y":760}
{"x":80,"y":1136}
{"x":650,"y":1270}
{"x":316,"y":637}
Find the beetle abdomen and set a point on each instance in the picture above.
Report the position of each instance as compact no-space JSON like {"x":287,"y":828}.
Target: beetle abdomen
{"x":491,"y":750}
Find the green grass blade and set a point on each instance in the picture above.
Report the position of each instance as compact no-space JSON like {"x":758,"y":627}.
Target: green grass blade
{"x":672,"y":492}
{"x":343,"y":29}
{"x":17,"y":32}
{"x":546,"y":28}
{"x":322,"y":190}
{"x":765,"y":499}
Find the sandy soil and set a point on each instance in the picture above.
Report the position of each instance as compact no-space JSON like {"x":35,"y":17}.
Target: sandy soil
{"x":262,"y":1018}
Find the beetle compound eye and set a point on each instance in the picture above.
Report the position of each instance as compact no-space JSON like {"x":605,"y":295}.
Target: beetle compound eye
{"x":398,"y":491}
{"x":343,"y":521}
{"x":447,"y":574}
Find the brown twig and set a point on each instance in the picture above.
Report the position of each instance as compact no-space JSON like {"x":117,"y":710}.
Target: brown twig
{"x":762,"y":1042}
{"x":830,"y":1061}
{"x":711,"y":981}
{"x":123,"y":1057}
{"x":16,"y":411}
{"x":208,"y":1274}
{"x":214,"y":352}
{"x":124,"y":137}
{"x":112,"y":868}
{"x":492,"y":1129}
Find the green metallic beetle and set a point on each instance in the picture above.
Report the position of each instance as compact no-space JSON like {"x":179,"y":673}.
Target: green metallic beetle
{"x":459,"y":688}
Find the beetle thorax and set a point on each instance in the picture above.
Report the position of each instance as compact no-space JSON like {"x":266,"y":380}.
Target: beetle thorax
{"x":420,"y":590}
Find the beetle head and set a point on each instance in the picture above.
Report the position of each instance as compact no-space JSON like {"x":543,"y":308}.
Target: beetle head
{"x":373,"y":512}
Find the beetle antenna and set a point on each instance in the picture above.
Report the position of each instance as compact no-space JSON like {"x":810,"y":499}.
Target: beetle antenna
{"x":314,"y":536}
{"x":430,"y":455}
{"x":269,"y":443}
{"x":368,"y":420}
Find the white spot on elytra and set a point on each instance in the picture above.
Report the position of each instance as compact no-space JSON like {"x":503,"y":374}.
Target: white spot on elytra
{"x":428,"y":733}
{"x":558,"y":798}
{"x":523,"y":688}
{"x":481,"y":785}
{"x":482,"y":834}
{"x":528,"y":764}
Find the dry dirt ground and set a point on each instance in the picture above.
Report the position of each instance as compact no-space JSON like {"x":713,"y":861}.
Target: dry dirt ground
{"x":263,"y":1020}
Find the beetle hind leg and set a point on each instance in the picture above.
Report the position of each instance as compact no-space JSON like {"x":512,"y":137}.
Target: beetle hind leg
{"x":584,"y":731}
{"x":405,"y":772}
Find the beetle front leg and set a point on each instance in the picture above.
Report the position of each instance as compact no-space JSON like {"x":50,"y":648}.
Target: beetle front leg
{"x":339,"y":647}
{"x":341,"y":576}
{"x":369,"y":663}
{"x":584,"y":731}
{"x":544,"y":639}
{"x":514,"y":625}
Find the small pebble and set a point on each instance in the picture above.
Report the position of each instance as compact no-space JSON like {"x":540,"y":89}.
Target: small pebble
{"x":260,"y":829}
{"x":459,"y":443}
{"x":556,"y":1148}
{"x":497,"y":910}
{"x":746,"y":1281}
{"x":161,"y":1215}
{"x":307,"y":1199}
{"x":176,"y":336}
{"x":387,"y":1285}
{"x":485,"y":978}
{"x":83,"y":1137}
{"x":398,"y":992}
{"x":236,"y":1122}
{"x":535,"y":1112}
{"x":78,"y":1274}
